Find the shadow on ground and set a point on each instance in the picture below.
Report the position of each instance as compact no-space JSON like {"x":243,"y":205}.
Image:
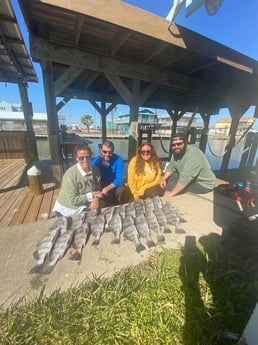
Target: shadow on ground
{"x":220,"y":283}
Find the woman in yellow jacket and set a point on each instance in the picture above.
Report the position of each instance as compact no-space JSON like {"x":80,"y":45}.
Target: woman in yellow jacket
{"x":144,"y":173}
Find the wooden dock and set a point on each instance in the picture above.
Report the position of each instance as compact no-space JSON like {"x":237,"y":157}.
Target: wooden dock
{"x":18,"y":205}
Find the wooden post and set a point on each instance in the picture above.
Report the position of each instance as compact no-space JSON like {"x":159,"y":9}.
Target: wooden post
{"x":204,"y":132}
{"x":53,"y":128}
{"x":35,"y":180}
{"x":134,"y":113}
{"x":28,"y":115}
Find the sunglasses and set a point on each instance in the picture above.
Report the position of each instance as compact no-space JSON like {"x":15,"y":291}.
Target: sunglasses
{"x":178,"y":144}
{"x":82,"y":158}
{"x":107,"y":152}
{"x":146,"y":152}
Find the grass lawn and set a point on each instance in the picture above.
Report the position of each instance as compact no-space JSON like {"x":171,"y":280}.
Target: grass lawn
{"x":197,"y":294}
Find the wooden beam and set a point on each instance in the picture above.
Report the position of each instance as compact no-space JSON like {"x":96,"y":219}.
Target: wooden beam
{"x":66,"y":79}
{"x":120,"y":87}
{"x":44,"y":51}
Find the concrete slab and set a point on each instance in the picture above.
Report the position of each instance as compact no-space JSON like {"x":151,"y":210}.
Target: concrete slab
{"x":18,"y":243}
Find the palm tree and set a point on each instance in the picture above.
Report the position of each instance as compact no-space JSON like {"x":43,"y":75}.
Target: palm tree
{"x":87,"y":120}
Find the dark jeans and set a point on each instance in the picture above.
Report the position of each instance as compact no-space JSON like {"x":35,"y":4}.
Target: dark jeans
{"x":192,"y":187}
{"x":153,"y":191}
{"x":116,"y":196}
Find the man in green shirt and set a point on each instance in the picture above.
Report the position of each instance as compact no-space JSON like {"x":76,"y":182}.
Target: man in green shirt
{"x":188,"y":169}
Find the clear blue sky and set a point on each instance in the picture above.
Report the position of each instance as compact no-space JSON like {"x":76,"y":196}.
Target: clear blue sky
{"x":234,"y":25}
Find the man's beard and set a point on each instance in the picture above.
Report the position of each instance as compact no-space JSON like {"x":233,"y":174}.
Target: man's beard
{"x":180,"y":154}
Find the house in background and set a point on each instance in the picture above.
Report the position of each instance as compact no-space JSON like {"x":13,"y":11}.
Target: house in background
{"x":222,"y":126}
{"x":146,"y":117}
{"x":163,"y":123}
{"x":12,"y":119}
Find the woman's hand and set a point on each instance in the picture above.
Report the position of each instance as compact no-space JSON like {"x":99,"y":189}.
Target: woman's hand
{"x":94,"y":203}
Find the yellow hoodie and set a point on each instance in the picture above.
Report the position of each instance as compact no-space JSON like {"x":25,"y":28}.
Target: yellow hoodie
{"x":139,"y":183}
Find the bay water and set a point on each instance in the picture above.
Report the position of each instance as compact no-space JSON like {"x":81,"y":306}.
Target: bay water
{"x":214,"y":151}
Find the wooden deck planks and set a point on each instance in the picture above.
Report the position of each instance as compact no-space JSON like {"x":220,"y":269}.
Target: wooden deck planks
{"x":20,"y":215}
{"x":17,"y":203}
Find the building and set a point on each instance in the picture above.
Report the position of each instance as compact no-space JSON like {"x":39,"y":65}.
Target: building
{"x":222,"y":126}
{"x":146,"y":118}
{"x":12,"y":119}
{"x":165,"y":123}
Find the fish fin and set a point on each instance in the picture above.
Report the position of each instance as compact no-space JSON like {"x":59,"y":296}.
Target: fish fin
{"x":139,"y":247}
{"x":167,"y":230}
{"x":151,"y":244}
{"x":36,"y":269}
{"x":161,"y":238}
{"x":115,"y":241}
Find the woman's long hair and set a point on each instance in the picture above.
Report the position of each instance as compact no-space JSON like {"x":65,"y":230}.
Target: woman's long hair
{"x":140,"y":162}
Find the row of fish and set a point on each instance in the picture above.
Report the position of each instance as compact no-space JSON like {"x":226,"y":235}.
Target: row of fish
{"x":136,"y":220}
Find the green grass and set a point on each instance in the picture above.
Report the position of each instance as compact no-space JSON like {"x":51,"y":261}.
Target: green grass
{"x":186,"y":296}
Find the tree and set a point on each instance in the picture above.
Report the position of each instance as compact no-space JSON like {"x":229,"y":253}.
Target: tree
{"x":87,"y":120}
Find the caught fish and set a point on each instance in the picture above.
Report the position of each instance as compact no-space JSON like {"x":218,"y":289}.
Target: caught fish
{"x":173,"y":217}
{"x":175,"y":211}
{"x":162,"y":219}
{"x":139,"y":206}
{"x":130,"y":210}
{"x":154,"y":225}
{"x":108,"y":213}
{"x":131,"y":233}
{"x":149,"y":206}
{"x":143,"y":229}
{"x":97,"y":228}
{"x":61,"y":244}
{"x":157,"y":202}
{"x":116,"y":226}
{"x":80,"y":238}
{"x":46,"y":244}
{"x":121,"y":210}
{"x":91,"y":215}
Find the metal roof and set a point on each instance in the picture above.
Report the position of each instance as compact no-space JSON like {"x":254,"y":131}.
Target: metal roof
{"x":99,"y":48}
{"x":15,"y":62}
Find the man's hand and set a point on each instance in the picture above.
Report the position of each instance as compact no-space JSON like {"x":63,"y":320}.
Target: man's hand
{"x":162,"y":183}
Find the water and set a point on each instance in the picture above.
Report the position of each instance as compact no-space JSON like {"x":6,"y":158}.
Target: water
{"x":214,"y":151}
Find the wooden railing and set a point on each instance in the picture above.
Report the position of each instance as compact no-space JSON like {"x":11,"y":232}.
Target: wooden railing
{"x":15,"y":145}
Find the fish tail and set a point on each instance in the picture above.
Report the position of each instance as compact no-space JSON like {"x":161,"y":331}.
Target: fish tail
{"x":115,"y":241}
{"x":161,"y":238}
{"x":182,"y":220}
{"x":77,"y":255}
{"x":47,"y":269}
{"x":167,"y":230}
{"x":36,"y":269}
{"x":151,"y":244}
{"x":95,"y":242}
{"x":179,"y":230}
{"x":139,"y":247}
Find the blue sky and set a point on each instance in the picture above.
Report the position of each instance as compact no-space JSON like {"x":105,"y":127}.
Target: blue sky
{"x":234,"y":25}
